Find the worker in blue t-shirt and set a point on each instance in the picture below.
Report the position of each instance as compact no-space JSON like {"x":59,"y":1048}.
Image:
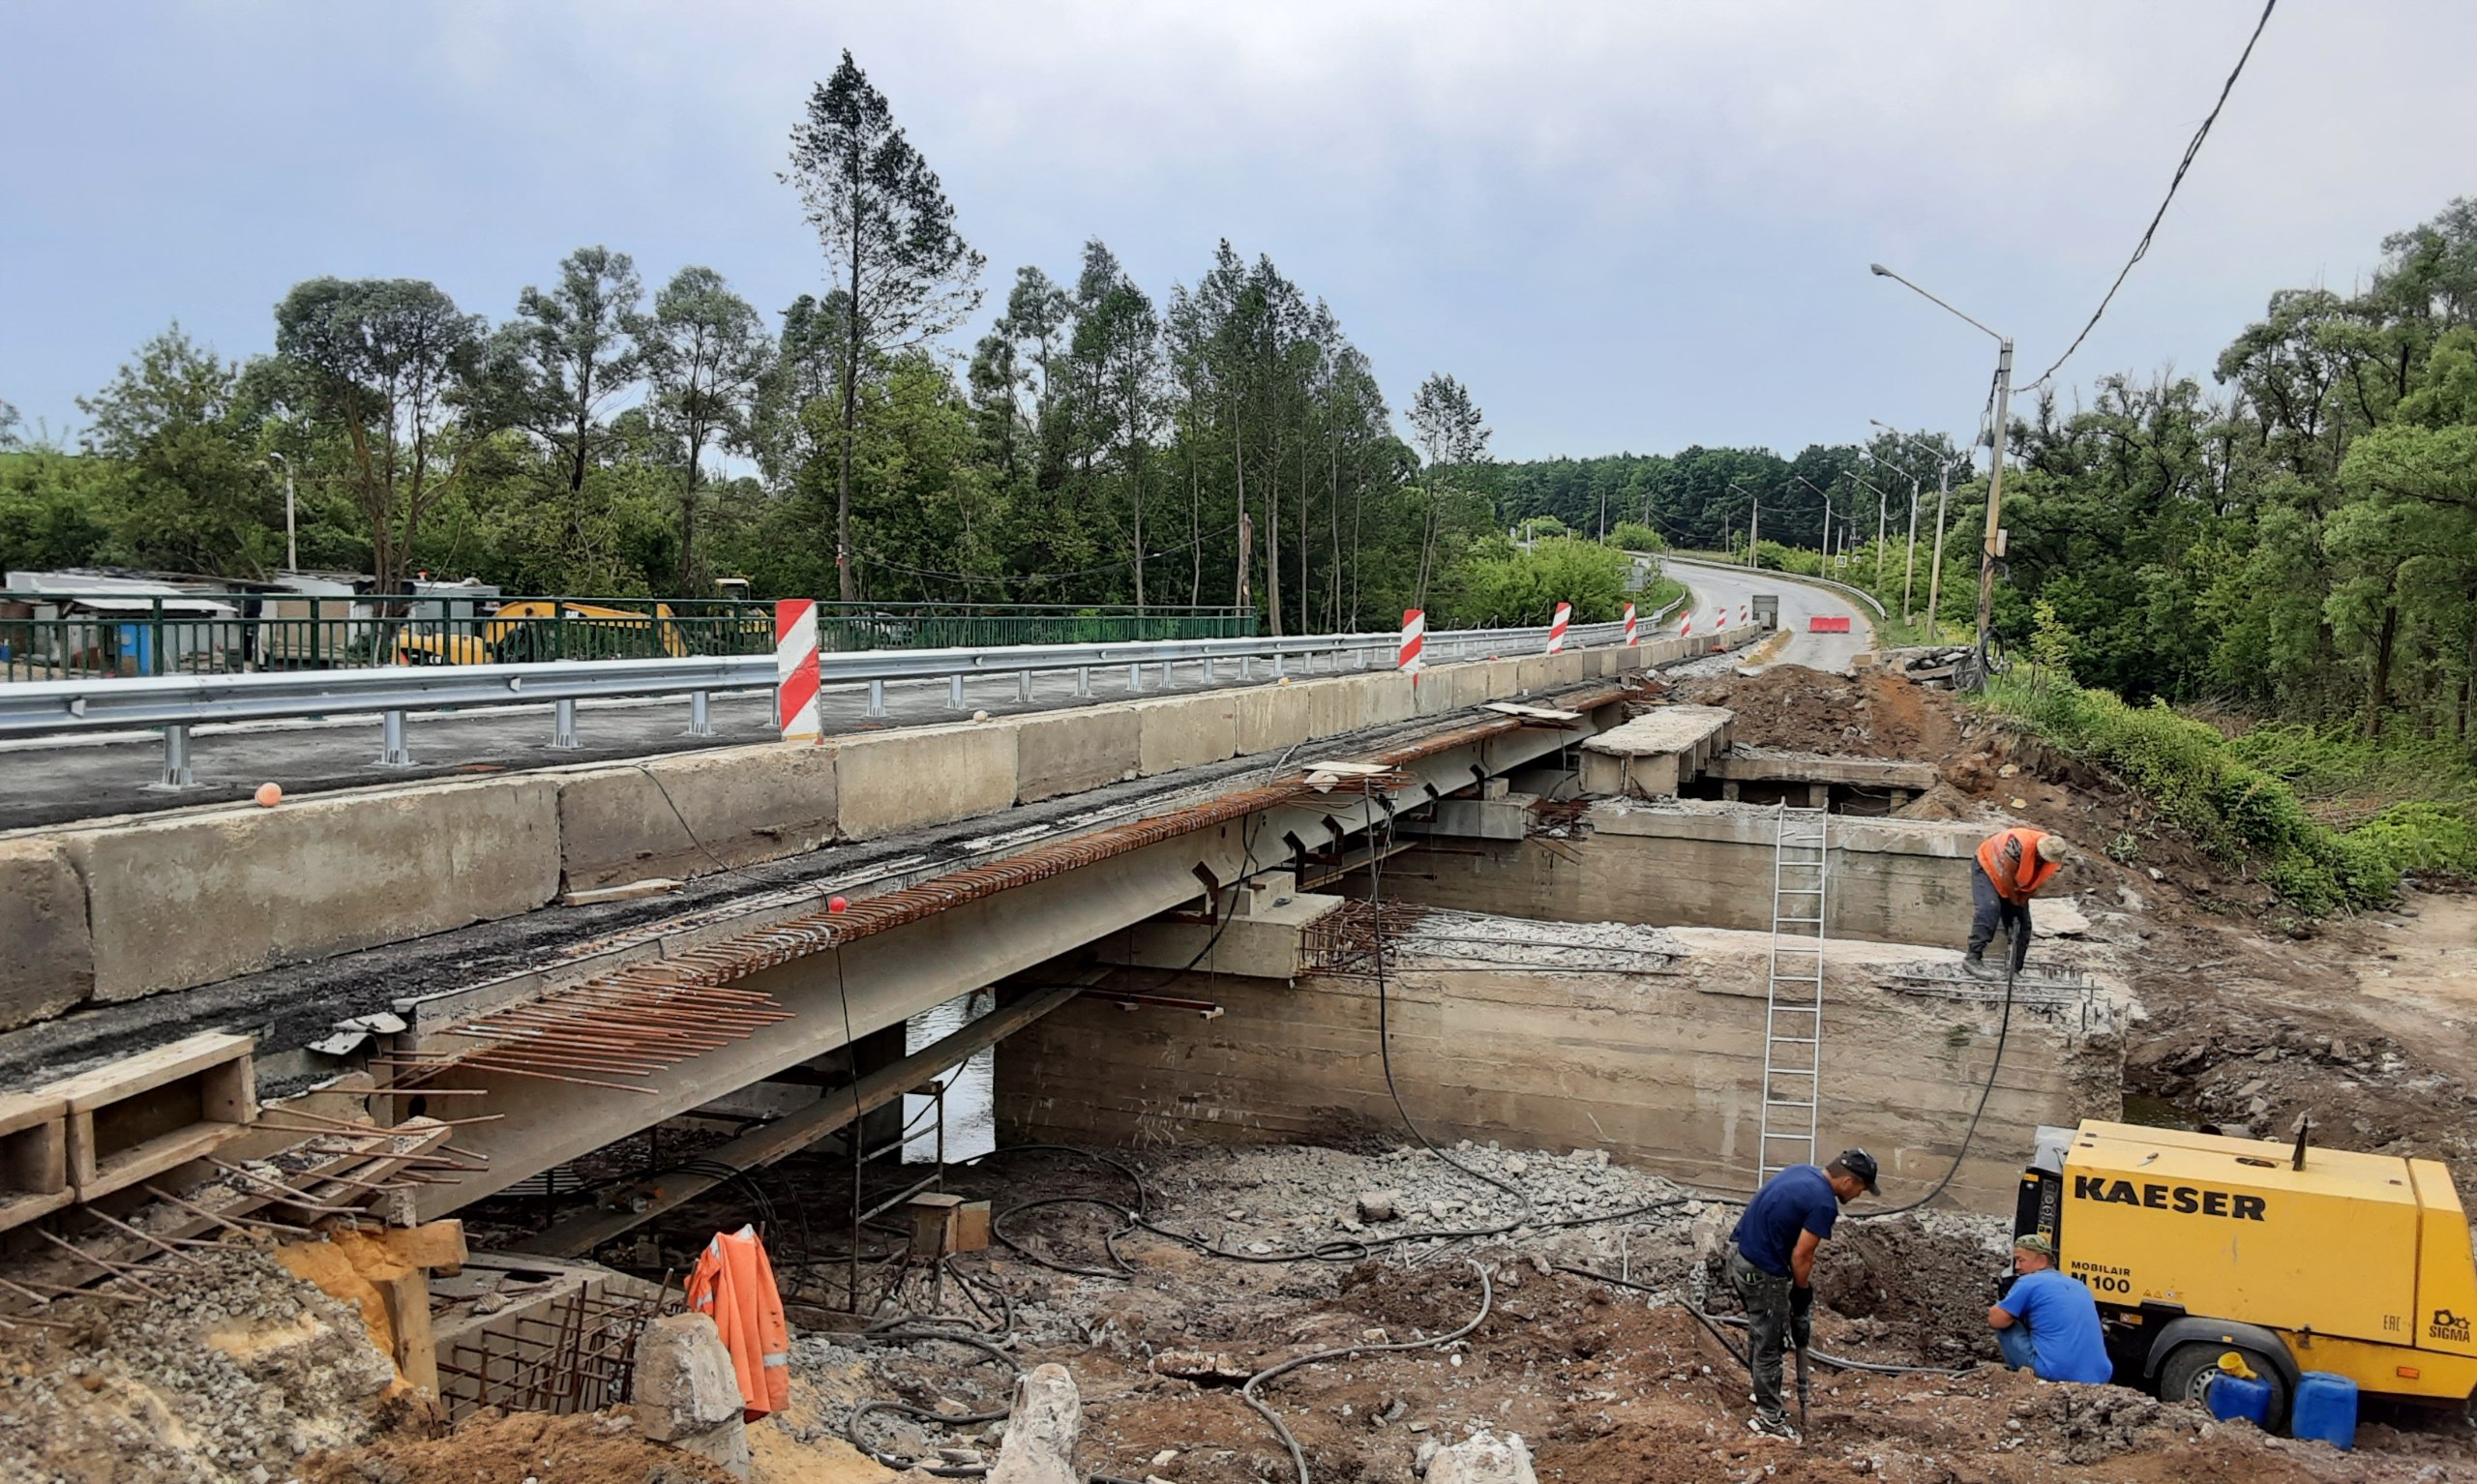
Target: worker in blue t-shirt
{"x":2049,"y":1321}
{"x":1773,"y":1268}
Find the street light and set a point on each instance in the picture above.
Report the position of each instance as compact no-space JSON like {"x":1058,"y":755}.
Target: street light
{"x":1754,"y":520}
{"x":292,"y":546}
{"x":1827,"y":517}
{"x":1883,"y":504}
{"x":1995,"y":475}
{"x":1944,"y":466}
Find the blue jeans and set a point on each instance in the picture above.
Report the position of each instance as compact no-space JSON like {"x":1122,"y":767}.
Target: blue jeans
{"x":2013,"y":1340}
{"x":1991,"y":913}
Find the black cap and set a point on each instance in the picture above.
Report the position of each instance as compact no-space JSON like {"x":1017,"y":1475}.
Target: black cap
{"x":1860,"y":1163}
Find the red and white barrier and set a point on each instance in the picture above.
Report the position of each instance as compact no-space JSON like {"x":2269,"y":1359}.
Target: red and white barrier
{"x":795,"y":680}
{"x":1557,"y":627}
{"x":1414,"y":638}
{"x":1686,"y":626}
{"x":1629,"y":626}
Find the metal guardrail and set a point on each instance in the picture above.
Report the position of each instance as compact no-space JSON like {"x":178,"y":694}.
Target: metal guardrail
{"x":176,"y":703}
{"x":108,"y":633}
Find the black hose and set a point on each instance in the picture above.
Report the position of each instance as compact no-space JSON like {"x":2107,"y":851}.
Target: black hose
{"x":1710,"y":1323}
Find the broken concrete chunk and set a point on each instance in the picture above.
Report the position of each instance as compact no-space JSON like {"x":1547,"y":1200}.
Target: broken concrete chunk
{"x":1484,"y":1458}
{"x":1040,"y":1434}
{"x":1201,"y":1366}
{"x":684,"y":1378}
{"x":1379,"y":1205}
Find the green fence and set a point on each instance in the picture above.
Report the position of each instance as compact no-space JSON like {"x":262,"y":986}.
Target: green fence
{"x":59,"y":637}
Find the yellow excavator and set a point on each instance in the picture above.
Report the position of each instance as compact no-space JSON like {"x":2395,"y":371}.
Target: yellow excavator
{"x":537,"y":629}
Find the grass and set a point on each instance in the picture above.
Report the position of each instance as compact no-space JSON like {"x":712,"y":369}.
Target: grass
{"x":2240,"y":799}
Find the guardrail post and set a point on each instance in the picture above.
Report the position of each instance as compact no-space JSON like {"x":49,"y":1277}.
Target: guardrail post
{"x":1246,"y":667}
{"x":564,"y":725}
{"x":393,"y":752}
{"x":877,"y":698}
{"x":176,"y":758}
{"x":955,"y":692}
{"x":1023,"y":685}
{"x":1166,"y":680}
{"x":1135,"y":677}
{"x":1083,"y":680}
{"x":701,"y":714}
{"x":1207,"y":670}
{"x":1277,"y":665}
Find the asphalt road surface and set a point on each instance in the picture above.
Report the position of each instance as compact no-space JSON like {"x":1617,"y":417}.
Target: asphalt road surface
{"x":1719,"y":589}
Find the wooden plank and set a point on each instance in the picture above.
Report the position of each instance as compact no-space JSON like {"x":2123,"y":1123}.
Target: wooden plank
{"x":134,"y":1075}
{"x":25,"y":1109}
{"x":789,"y":1135}
{"x":123,"y":1168}
{"x":407,"y":1299}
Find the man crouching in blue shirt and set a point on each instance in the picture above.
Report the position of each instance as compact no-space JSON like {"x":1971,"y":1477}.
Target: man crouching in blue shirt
{"x":1774,"y":1265}
{"x":2048,"y":1322}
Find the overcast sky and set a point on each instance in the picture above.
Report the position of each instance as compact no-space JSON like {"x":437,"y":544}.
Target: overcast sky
{"x":1624,"y":225}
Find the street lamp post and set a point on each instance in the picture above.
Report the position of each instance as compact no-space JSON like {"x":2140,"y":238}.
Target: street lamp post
{"x":1944,"y":466}
{"x":291,"y":544}
{"x":1754,"y":522}
{"x":1995,"y":474}
{"x":1882,"y":501}
{"x":1826,"y":518}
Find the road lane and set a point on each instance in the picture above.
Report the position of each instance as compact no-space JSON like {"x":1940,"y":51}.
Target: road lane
{"x":1719,"y":589}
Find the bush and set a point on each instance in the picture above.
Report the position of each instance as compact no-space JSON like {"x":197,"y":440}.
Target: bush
{"x":1500,"y":585}
{"x":1635,"y":536}
{"x":2235,"y":811}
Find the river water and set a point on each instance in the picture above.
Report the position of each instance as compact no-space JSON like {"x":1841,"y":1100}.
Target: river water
{"x":970,"y":1119}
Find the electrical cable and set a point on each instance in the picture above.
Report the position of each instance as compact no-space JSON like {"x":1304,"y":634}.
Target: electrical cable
{"x":1297,"y":1457}
{"x":2142,"y":247}
{"x":2003,"y":1033}
{"x":1711,"y":1324}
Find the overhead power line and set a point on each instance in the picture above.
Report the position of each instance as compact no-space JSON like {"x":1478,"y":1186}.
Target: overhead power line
{"x":2182,"y":165}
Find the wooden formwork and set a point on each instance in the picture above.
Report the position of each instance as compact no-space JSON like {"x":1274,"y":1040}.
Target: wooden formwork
{"x":140,"y":1117}
{"x":34,"y":1157}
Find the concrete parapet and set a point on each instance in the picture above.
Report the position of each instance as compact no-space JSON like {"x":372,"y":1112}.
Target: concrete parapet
{"x":191,"y":898}
{"x":1272,"y":717}
{"x":1335,"y":707}
{"x":1386,"y":698}
{"x":1067,"y":751}
{"x":735,"y":807}
{"x":47,"y":959}
{"x":1186,"y":731}
{"x":891,"y":781}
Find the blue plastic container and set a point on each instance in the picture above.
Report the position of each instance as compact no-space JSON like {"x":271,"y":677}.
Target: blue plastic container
{"x":2230,"y":1398}
{"x":2325,"y":1408}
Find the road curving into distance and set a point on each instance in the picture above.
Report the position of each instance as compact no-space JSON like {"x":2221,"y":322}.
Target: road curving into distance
{"x":1721,"y":589}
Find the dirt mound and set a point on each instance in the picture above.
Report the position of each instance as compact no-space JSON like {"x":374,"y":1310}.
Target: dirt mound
{"x":1919,"y":1293}
{"x":1874,"y":715}
{"x":589,"y":1449}
{"x":233,"y":1373}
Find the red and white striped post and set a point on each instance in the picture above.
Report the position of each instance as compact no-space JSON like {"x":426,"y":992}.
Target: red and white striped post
{"x":1685,"y":625}
{"x":1629,"y":626}
{"x":1415,"y":639}
{"x":1557,"y":627}
{"x":795,"y":680}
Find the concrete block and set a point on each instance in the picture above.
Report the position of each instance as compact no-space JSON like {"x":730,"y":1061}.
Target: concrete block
{"x":1041,"y":1429}
{"x":1499,"y":680}
{"x":1272,"y":717}
{"x":1449,"y":688}
{"x":741,"y":805}
{"x":1567,"y":669}
{"x":192,"y":899}
{"x":1385,"y":699}
{"x":47,"y":959}
{"x":687,"y":1394}
{"x":891,"y":781}
{"x":1067,"y":751}
{"x":1533,"y":674}
{"x":1335,"y":707}
{"x":1186,"y":731}
{"x":1483,"y":1458}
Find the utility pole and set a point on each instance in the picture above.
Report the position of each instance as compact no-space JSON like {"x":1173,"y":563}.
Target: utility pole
{"x":1753,"y":520}
{"x":292,"y":542}
{"x":1935,"y":569}
{"x":1994,"y":496}
{"x":1995,"y":476}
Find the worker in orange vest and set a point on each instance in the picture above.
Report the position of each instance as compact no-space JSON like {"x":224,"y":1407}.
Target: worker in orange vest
{"x":2012,"y":866}
{"x":734,"y":1283}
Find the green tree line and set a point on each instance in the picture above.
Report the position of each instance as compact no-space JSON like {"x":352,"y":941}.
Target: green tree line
{"x":1224,"y":443}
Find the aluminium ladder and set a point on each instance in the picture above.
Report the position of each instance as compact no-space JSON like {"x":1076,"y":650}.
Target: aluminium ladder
{"x":1793,"y":1009}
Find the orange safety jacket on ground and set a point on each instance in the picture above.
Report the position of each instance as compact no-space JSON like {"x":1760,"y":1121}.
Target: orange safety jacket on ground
{"x":734,"y":1283}
{"x":2011,"y":860}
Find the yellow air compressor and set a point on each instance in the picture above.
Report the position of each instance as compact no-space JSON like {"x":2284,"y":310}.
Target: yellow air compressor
{"x":2298,"y":1258}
